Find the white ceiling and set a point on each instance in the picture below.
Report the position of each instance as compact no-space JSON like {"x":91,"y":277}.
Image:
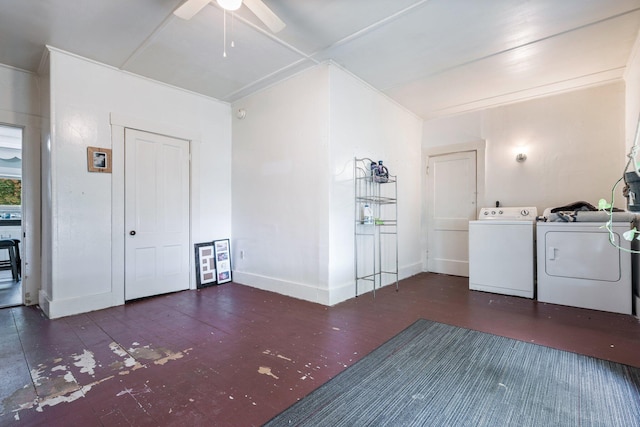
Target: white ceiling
{"x":435,"y":57}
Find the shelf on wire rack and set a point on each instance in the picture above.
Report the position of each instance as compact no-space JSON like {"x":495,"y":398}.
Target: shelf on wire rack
{"x":375,"y":196}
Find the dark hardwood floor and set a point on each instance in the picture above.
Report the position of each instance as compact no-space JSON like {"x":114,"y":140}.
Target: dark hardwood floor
{"x":232,"y":355}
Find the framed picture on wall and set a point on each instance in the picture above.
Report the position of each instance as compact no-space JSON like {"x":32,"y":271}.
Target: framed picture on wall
{"x":223,"y":260}
{"x":205,"y":264}
{"x":99,"y":159}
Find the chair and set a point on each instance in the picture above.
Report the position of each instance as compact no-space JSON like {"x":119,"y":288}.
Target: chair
{"x":13,"y":263}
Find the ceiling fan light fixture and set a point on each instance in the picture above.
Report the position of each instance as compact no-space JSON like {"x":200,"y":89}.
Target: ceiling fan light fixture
{"x":230,"y":4}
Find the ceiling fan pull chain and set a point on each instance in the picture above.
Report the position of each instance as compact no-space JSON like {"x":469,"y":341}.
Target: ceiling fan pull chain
{"x":224,"y":30}
{"x":233,"y":26}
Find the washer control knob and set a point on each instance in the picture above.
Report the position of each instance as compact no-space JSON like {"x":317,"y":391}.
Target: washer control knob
{"x":524,"y":212}
{"x":500,"y":212}
{"x":486,"y":212}
{"x":493,"y":212}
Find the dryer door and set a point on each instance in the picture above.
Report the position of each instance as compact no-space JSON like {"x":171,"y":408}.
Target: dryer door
{"x":582,"y":255}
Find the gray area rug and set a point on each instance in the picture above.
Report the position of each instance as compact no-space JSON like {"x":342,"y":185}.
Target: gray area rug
{"x":432,"y":374}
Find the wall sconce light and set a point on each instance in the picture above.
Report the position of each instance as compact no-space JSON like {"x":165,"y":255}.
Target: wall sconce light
{"x":521,"y":157}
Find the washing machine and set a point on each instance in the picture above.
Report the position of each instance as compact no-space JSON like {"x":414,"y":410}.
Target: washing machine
{"x":502,"y":251}
{"x":578,"y":266}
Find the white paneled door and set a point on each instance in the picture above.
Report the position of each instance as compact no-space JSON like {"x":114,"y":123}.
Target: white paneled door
{"x":156,"y":214}
{"x":451,"y":200}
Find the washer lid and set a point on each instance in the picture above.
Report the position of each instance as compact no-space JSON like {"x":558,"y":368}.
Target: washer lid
{"x":507,"y":213}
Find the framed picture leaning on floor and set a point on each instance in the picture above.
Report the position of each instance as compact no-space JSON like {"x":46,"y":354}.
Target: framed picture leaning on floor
{"x":223,"y":260}
{"x":205,"y":264}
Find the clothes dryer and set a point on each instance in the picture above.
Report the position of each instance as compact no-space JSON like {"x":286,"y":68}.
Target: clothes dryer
{"x":578,"y":266}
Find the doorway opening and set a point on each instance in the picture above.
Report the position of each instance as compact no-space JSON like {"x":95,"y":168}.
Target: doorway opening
{"x":11,"y":139}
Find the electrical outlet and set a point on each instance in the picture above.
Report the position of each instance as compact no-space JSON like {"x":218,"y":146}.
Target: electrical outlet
{"x":241,"y":254}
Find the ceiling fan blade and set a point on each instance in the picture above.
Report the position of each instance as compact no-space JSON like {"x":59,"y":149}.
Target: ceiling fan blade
{"x":265,"y":14}
{"x":189,"y":8}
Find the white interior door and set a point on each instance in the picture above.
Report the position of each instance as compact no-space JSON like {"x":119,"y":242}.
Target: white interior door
{"x":451,"y":203}
{"x":156,"y":214}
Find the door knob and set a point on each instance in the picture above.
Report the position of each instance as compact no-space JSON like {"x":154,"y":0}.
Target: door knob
{"x":132,"y":232}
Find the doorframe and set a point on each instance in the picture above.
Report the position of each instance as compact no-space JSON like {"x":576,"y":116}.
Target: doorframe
{"x":119,"y":123}
{"x":31,"y":201}
{"x":479,"y":146}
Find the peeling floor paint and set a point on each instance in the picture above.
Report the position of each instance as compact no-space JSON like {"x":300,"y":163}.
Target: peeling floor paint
{"x":305,"y":375}
{"x":279,"y":356}
{"x":36,"y":375}
{"x":119,"y":351}
{"x":59,"y":384}
{"x":128,"y":360}
{"x":267,"y":371}
{"x":68,"y":377}
{"x":20,"y":399}
{"x":130,"y":392}
{"x":85,"y":362}
{"x":159,"y":356}
{"x":171,"y":356}
{"x":145,"y":352}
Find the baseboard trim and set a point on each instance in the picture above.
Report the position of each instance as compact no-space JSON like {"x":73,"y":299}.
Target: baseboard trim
{"x":283,"y":287}
{"x":410,"y":270}
{"x":54,"y":309}
{"x":317,"y":295}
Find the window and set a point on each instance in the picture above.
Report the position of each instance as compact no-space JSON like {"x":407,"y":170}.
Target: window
{"x":10,"y":172}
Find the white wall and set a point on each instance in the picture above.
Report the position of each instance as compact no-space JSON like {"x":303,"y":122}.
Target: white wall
{"x":20,"y":106}
{"x":366,"y":124}
{"x":46,"y":243}
{"x":88,"y":100}
{"x":292,"y":181}
{"x":574,"y":143}
{"x":20,"y":95}
{"x":632,"y":97}
{"x":280,"y":187}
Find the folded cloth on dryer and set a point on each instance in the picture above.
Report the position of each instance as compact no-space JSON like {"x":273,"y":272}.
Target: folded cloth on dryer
{"x":580,"y":212}
{"x":575,"y":206}
{"x":602,"y":216}
{"x":565,"y":215}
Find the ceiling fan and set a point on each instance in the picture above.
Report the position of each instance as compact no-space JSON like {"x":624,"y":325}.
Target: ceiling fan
{"x":190,"y":7}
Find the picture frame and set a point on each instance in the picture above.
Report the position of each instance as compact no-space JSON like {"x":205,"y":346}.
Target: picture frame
{"x":222,"y":249}
{"x":205,"y":264}
{"x":99,"y":159}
